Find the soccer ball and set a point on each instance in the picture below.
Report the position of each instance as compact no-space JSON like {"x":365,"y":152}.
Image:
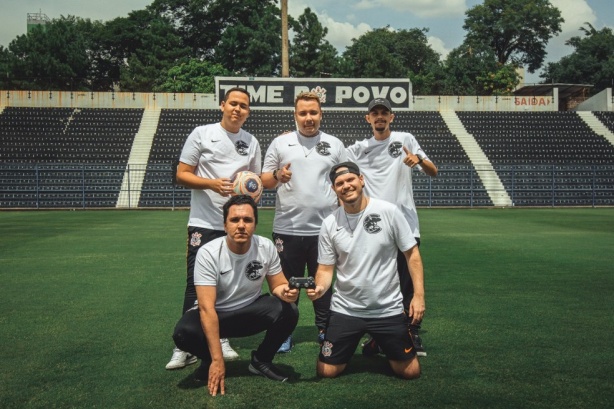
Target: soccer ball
{"x":247,"y":183}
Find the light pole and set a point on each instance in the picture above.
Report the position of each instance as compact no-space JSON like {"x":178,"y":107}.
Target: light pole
{"x":285,"y":59}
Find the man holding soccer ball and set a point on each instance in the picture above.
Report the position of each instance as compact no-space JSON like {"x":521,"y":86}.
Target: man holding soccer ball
{"x":297,"y":164}
{"x":211,"y":155}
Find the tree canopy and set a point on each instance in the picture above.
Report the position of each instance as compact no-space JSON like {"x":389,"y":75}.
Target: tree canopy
{"x":592,"y":60}
{"x":181,"y":45}
{"x":516,"y":30}
{"x":51,"y":57}
{"x":311,"y":55}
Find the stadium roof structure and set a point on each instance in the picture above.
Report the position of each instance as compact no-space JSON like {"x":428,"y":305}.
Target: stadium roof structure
{"x":565,"y":90}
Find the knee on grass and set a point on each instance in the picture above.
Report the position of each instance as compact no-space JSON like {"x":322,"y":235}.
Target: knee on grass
{"x":329,"y":371}
{"x":406,"y":369}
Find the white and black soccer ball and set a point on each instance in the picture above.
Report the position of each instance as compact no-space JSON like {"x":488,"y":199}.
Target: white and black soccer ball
{"x":247,"y":183}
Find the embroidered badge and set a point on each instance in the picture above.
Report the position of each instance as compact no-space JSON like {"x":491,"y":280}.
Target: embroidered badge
{"x":195,"y":239}
{"x":327,"y":349}
{"x":395,"y":149}
{"x":279,"y":245}
{"x":370,"y":223}
{"x":323,"y":148}
{"x":252,"y":271}
{"x":242,"y":148}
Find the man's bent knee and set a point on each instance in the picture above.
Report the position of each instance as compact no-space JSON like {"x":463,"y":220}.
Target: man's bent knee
{"x":328,"y":370}
{"x":406,"y":369}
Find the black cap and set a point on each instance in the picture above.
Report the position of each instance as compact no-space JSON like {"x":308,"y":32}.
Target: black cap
{"x":380,"y":102}
{"x":351,"y":168}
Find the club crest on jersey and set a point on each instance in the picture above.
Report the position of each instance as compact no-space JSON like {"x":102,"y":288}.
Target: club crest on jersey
{"x":195,"y":239}
{"x":327,"y":349}
{"x":279,"y":245}
{"x":241,"y":148}
{"x":395,"y":149}
{"x":370,"y":223}
{"x":323,"y":148}
{"x":252,"y":271}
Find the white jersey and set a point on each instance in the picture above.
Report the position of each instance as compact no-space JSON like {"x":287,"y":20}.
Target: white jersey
{"x":303,"y":202}
{"x":237,"y":277}
{"x":386,"y":176}
{"x":217,"y":153}
{"x":363,"y":248}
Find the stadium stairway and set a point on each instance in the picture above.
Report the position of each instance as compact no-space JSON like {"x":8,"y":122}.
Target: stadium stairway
{"x":483,"y":167}
{"x":137,"y":161}
{"x":596,"y":125}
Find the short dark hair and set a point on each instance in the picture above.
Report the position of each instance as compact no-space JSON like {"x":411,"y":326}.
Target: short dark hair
{"x":239,"y":89}
{"x":240,"y":200}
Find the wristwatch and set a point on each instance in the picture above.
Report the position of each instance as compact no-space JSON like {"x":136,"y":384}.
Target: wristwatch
{"x":421,"y":159}
{"x":275,"y":174}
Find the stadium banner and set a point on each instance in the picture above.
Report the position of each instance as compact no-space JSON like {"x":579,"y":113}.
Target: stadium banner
{"x":335,"y":93}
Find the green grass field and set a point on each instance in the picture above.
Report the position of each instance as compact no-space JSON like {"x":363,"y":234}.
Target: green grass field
{"x":520,"y":314}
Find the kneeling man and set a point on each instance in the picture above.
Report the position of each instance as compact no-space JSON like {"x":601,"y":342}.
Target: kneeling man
{"x":360,"y":239}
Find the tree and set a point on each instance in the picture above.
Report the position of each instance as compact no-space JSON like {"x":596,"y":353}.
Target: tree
{"x":516,"y":30}
{"x":384,"y":53}
{"x":147,"y":46}
{"x":311,"y":54}
{"x":5,"y":68}
{"x":199,"y":23}
{"x":54,"y":56}
{"x":474,"y":70}
{"x":591,"y":62}
{"x":251,"y":42}
{"x":193,"y":76}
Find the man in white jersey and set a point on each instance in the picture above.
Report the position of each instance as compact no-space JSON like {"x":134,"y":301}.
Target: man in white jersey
{"x":387,"y":161}
{"x":297,"y":164}
{"x":211,"y":155}
{"x":360,"y":240}
{"x":228,"y":274}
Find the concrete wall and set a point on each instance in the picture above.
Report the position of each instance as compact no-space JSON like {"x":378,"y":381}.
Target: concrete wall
{"x":106,"y":100}
{"x":489,"y":104}
{"x":208,"y":101}
{"x":600,"y":102}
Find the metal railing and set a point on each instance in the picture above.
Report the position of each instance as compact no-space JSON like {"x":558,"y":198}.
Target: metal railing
{"x":40,"y":186}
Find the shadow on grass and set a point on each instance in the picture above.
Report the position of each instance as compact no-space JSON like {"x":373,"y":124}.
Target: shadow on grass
{"x":303,"y":355}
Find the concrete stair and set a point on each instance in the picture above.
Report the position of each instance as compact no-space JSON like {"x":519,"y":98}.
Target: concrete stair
{"x":596,"y":125}
{"x":483,"y":167}
{"x":132,"y":183}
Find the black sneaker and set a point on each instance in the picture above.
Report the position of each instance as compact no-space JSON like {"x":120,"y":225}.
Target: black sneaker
{"x":370,"y":348}
{"x":266,"y":369}
{"x":417,"y":343}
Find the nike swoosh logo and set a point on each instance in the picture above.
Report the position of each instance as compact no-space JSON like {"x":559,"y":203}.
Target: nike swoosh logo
{"x":215,"y":140}
{"x":407,"y":351}
{"x":367,"y":152}
{"x":292,"y":144}
{"x":225,"y":272}
{"x":339,"y":228}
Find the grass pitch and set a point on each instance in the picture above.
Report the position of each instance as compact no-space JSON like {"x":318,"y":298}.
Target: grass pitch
{"x":520,"y":314}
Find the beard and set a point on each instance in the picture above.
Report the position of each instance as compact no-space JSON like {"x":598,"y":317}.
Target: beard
{"x":380,"y":126}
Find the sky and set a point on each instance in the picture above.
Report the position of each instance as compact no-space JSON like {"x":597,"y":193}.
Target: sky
{"x":345,"y":19}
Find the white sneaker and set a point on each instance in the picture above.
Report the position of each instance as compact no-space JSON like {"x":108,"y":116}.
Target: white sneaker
{"x":180,"y":359}
{"x":227,"y":351}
